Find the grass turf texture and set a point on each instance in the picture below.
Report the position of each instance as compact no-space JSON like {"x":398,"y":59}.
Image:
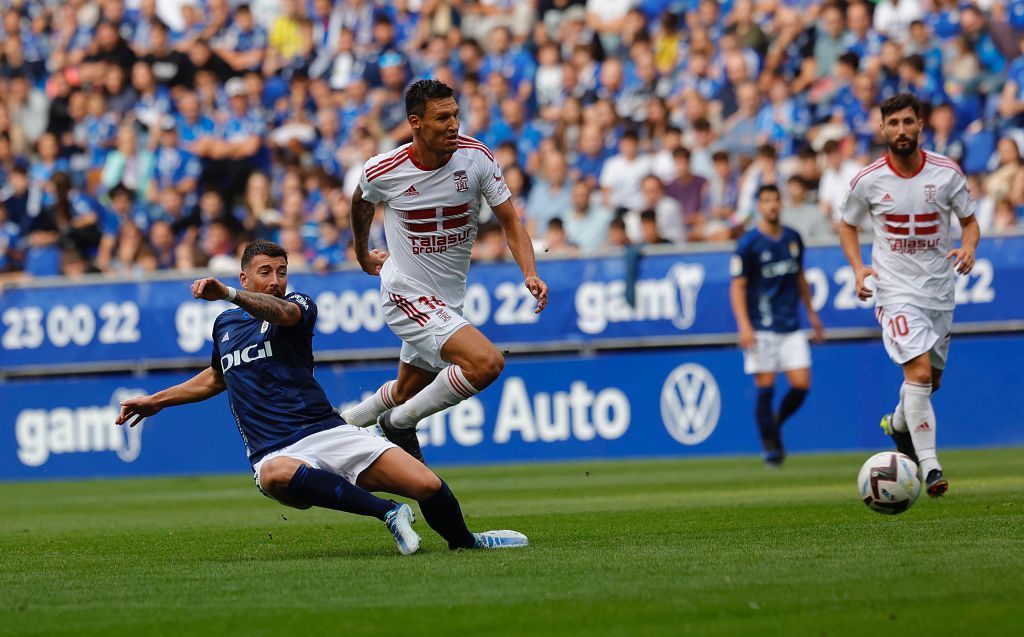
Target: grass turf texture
{"x":702,"y":547}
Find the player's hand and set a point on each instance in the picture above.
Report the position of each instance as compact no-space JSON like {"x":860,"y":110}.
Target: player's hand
{"x":539,"y":290}
{"x":964,"y":260}
{"x":819,"y":329}
{"x":748,"y":340}
{"x":209,"y":289}
{"x":135,"y":409}
{"x":863,"y":291}
{"x":373,"y":262}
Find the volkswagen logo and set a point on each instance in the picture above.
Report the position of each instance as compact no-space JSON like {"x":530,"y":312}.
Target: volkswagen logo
{"x":690,"y":404}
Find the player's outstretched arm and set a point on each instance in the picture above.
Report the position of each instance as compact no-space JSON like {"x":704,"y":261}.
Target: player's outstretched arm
{"x":851,"y":248}
{"x":262,"y":306}
{"x":964,"y":255}
{"x":522,"y":251}
{"x":362,"y":218}
{"x":206,"y":384}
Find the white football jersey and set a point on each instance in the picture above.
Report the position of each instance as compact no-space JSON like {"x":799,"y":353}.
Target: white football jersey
{"x":911,"y":216}
{"x":430,"y":216}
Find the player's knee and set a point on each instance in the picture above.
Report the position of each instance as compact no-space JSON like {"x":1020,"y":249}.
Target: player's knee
{"x":275,"y":477}
{"x":936,"y":383}
{"x":491,"y":366}
{"x":918,"y":374}
{"x":424,"y":486}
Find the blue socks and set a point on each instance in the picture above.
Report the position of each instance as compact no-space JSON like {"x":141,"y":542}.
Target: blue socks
{"x":325,"y":489}
{"x":443,"y":513}
{"x":765,"y":416}
{"x":790,"y":403}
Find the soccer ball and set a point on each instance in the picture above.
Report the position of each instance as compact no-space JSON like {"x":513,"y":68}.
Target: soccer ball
{"x":888,"y":483}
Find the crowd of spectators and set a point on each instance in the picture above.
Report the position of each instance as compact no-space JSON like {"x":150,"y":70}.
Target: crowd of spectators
{"x":144,"y":135}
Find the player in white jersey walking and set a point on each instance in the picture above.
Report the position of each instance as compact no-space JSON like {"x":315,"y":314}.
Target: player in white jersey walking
{"x":911,"y":197}
{"x":431,"y":192}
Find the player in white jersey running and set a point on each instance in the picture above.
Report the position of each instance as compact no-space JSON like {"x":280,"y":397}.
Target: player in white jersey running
{"x":912,"y":197}
{"x":431,"y":192}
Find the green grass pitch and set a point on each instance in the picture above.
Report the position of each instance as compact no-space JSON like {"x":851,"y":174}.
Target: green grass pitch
{"x":667,"y":547}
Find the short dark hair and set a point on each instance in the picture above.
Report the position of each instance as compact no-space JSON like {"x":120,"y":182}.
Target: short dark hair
{"x":850,"y":59}
{"x":768,"y":188}
{"x":899,"y":102}
{"x":120,"y":190}
{"x":262,"y":246}
{"x":915,"y":61}
{"x":422,"y":91}
{"x":682,"y":151}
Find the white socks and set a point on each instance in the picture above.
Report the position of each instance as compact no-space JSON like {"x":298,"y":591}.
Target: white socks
{"x":448,"y":388}
{"x":899,"y":419}
{"x":365,"y":413}
{"x":920,"y":421}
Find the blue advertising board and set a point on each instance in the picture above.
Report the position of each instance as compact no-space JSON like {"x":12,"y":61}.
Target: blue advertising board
{"x":668,"y":403}
{"x":676,"y":296}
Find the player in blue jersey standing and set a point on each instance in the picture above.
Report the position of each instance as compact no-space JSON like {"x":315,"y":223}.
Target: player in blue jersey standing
{"x":768,"y":285}
{"x":301,"y":451}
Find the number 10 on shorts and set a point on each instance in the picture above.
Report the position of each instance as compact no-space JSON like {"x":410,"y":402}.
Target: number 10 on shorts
{"x":898,"y":326}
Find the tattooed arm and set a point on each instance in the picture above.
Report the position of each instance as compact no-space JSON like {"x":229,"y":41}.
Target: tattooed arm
{"x":262,"y":306}
{"x":362,"y":217}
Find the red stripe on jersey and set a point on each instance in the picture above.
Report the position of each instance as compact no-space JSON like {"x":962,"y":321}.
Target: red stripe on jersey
{"x":897,"y":230}
{"x":429,"y":226}
{"x":469,"y":142}
{"x":920,"y":230}
{"x":455,"y":210}
{"x":430,"y":213}
{"x":480,"y":148}
{"x":457,"y":385}
{"x":418,"y":215}
{"x":870,"y":169}
{"x":448,"y":224}
{"x":926,"y":217}
{"x":946,"y":164}
{"x":381,"y":165}
{"x":388,"y":169}
{"x":897,"y":218}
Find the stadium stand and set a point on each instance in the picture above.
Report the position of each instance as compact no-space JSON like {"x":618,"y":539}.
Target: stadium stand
{"x":144,"y":135}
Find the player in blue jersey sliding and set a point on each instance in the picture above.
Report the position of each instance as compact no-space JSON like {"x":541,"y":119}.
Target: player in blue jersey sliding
{"x":768,"y":285}
{"x":301,"y":451}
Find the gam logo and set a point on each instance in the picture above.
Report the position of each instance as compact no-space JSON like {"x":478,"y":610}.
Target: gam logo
{"x":690,"y":404}
{"x":44,"y":432}
{"x":672,"y":297}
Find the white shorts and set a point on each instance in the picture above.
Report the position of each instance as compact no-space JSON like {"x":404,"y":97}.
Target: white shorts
{"x":909,"y":331}
{"x":345,"y":450}
{"x":423,"y":323}
{"x":775,"y":352}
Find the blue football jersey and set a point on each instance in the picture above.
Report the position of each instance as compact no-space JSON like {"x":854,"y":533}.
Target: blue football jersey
{"x":268,"y":370}
{"x":770,"y":267}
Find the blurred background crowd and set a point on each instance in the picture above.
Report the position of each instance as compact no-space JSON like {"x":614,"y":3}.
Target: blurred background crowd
{"x":144,"y":135}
